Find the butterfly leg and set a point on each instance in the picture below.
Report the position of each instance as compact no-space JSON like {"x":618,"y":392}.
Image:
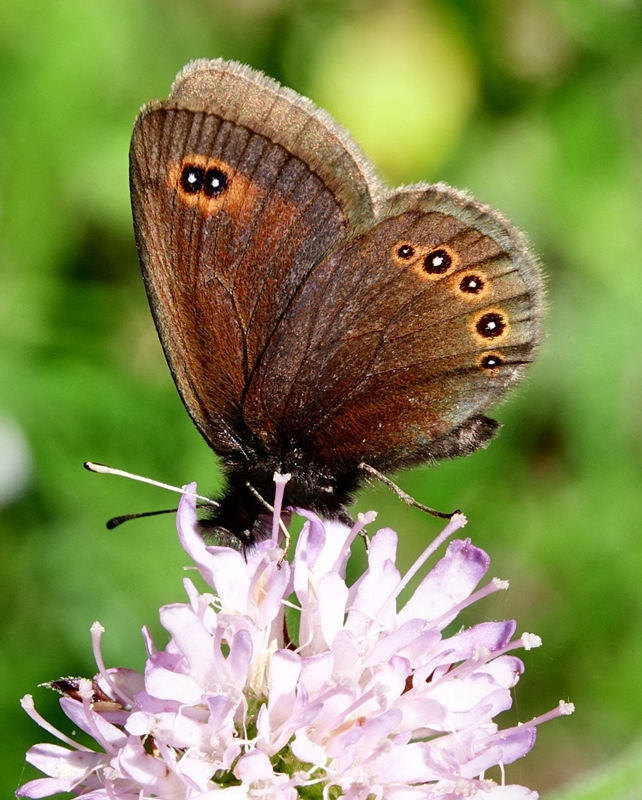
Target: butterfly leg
{"x":403,"y":496}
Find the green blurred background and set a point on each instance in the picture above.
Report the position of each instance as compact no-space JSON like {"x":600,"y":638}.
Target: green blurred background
{"x":533,"y":105}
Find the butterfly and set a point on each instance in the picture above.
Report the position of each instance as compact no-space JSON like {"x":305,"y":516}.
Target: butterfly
{"x":316,"y":323}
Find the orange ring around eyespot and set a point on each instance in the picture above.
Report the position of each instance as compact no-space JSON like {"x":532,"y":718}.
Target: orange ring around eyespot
{"x":471,"y":296}
{"x":208,"y":205}
{"x":489,"y":354}
{"x":420,"y":252}
{"x":493,"y":315}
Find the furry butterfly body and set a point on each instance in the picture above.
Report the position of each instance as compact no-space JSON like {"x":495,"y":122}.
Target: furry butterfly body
{"x":314,"y":321}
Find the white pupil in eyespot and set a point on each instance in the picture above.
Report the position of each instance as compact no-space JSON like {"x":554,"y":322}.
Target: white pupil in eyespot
{"x":437,"y":261}
{"x":191,"y":178}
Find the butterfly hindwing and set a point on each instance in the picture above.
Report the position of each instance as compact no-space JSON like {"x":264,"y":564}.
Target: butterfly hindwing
{"x":403,"y":333}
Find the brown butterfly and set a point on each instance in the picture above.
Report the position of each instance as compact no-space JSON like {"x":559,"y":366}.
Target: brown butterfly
{"x":315,"y":322}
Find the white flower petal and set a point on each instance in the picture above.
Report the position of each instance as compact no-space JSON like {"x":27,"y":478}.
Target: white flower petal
{"x":285,"y":668}
{"x":269,"y":592}
{"x":150,"y":773}
{"x":62,"y":763}
{"x":373,"y":598}
{"x":383,"y":547}
{"x":166,"y":685}
{"x":489,"y":636}
{"x":504,"y":750}
{"x":254,"y":767}
{"x":45,"y":787}
{"x":191,"y":639}
{"x":449,"y":582}
{"x":332,"y":596}
{"x":109,"y":734}
{"x":308,"y":751}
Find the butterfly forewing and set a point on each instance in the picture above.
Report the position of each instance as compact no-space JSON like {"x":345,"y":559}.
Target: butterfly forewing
{"x":220,"y":274}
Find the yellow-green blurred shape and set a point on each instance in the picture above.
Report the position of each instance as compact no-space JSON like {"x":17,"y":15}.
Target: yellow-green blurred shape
{"x":400,"y":79}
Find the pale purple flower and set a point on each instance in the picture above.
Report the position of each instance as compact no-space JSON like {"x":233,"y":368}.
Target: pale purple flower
{"x":284,"y":677}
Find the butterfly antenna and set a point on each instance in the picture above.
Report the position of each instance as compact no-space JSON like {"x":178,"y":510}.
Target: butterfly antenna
{"x":403,"y":496}
{"x":114,"y":522}
{"x":93,"y":466}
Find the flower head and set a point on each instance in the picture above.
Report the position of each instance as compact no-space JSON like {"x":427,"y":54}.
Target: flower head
{"x":285,"y":680}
